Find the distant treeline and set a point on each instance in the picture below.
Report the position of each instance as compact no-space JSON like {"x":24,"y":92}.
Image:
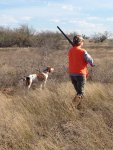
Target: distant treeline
{"x":28,"y":37}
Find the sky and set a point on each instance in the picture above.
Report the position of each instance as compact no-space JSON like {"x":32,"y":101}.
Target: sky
{"x":81,"y":16}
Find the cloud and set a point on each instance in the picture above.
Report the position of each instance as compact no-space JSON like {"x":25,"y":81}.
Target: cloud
{"x":109,"y":19}
{"x":8,"y":20}
{"x":83,"y":26}
{"x":56,"y":20}
{"x":93,"y":18}
{"x":68,"y":7}
{"x":83,"y":15}
{"x":82,"y":23}
{"x":26,"y":18}
{"x":5,"y":19}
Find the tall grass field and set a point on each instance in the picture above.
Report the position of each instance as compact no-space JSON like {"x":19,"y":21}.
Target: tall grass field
{"x":46,"y":119}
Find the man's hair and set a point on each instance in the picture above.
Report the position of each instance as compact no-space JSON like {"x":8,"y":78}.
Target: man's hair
{"x":77,"y":39}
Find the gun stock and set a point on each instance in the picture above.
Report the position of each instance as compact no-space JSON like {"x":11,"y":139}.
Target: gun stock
{"x":65,"y":36}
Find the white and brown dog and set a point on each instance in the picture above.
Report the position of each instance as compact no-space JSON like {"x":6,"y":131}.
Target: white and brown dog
{"x":41,"y":77}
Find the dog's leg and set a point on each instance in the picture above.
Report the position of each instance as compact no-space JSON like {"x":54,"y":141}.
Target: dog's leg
{"x":30,"y":83}
{"x":41,"y":86}
{"x":44,"y":85}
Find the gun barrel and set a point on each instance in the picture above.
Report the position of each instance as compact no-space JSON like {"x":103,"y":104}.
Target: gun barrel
{"x":65,"y":36}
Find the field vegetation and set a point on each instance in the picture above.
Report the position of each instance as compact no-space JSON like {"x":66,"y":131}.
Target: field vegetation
{"x":47,"y":119}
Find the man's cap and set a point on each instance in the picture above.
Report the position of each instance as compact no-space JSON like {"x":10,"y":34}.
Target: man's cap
{"x":77,"y":39}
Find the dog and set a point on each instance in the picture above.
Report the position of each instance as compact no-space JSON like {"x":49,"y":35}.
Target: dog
{"x":41,"y":77}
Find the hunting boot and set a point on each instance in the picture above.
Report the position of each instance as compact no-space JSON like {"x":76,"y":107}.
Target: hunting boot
{"x":82,"y":103}
{"x":77,"y":101}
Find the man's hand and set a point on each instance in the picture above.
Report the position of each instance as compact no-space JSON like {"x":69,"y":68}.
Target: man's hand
{"x":93,"y":65}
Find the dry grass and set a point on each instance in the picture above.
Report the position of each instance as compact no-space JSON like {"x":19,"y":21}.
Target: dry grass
{"x":47,"y":120}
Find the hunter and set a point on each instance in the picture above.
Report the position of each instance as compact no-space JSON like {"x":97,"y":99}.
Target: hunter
{"x":78,"y":72}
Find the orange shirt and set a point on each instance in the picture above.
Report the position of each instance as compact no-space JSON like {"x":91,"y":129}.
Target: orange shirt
{"x":77,"y":63}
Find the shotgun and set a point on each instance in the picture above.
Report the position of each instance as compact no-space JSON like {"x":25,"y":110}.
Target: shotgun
{"x":66,"y":36}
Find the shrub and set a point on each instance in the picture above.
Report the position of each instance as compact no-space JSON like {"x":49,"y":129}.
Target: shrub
{"x":100,"y":37}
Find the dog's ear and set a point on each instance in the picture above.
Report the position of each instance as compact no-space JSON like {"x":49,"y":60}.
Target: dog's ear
{"x":50,"y":69}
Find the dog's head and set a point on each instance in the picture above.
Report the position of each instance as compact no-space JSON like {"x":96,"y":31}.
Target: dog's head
{"x":23,"y":78}
{"x":49,"y":69}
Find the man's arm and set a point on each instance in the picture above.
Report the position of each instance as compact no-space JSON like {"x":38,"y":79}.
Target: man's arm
{"x":89,"y":59}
